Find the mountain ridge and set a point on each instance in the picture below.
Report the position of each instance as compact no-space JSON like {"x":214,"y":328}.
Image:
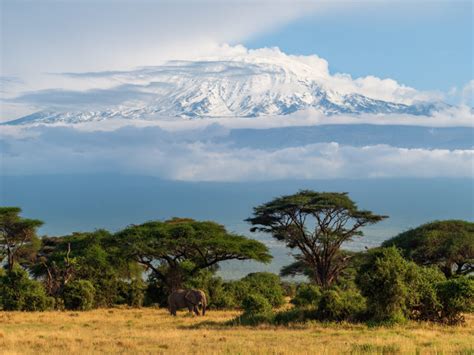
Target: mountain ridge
{"x":241,"y":87}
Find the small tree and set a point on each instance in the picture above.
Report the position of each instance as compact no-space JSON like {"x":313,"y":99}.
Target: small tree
{"x":316,"y":224}
{"x":17,"y":235}
{"x":446,"y":244}
{"x":177,"y":249}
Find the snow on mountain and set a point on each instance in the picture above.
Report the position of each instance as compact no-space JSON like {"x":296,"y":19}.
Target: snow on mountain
{"x":250,"y":85}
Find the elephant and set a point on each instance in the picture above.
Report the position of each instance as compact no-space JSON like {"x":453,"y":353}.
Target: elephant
{"x":189,"y":299}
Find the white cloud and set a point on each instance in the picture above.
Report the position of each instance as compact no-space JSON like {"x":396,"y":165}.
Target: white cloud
{"x":197,"y":155}
{"x":144,"y":86}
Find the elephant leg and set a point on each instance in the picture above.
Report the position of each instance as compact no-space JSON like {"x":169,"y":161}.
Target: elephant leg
{"x":196,"y":310}
{"x":173,"y":310}
{"x":190,"y":308}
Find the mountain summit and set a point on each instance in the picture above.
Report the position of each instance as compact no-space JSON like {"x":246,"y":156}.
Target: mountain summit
{"x":255,"y":83}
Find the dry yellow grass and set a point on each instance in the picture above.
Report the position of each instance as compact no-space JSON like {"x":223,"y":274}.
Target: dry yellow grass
{"x":154,"y":331}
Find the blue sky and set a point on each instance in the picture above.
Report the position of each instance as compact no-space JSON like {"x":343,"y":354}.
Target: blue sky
{"x":427,"y":45}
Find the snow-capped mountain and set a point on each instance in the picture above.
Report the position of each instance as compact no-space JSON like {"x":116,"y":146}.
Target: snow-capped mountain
{"x":245,"y":86}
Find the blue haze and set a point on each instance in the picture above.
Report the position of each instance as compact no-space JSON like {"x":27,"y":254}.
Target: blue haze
{"x":70,"y":203}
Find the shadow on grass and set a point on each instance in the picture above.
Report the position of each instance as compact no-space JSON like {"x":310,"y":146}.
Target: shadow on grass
{"x":208,"y":324}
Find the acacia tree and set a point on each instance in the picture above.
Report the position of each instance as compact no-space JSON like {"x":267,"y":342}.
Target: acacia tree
{"x":448,"y":245}
{"x":17,"y":235}
{"x":315,"y":224}
{"x":178,"y":249}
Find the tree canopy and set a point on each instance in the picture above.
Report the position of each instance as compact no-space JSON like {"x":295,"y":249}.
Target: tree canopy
{"x":17,"y":235}
{"x":447,"y":244}
{"x":84,"y":256}
{"x":178,"y":248}
{"x":316,"y":224}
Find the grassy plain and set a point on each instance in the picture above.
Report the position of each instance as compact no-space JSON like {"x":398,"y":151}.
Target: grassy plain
{"x":151,"y":330}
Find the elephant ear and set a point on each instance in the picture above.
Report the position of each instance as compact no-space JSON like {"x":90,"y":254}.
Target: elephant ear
{"x":191,"y":297}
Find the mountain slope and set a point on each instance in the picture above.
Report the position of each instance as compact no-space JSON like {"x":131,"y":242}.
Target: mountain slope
{"x":241,"y":87}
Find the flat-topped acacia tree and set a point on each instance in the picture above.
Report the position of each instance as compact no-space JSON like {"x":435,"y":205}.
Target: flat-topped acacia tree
{"x":177,"y":249}
{"x":447,"y":244}
{"x":315,"y":224}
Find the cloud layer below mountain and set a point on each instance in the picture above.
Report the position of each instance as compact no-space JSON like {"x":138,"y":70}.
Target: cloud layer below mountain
{"x":194,"y":155}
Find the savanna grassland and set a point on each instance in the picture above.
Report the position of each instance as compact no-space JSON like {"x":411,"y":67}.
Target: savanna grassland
{"x":150,"y":330}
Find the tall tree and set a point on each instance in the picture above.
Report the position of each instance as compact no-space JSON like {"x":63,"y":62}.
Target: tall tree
{"x":447,"y":244}
{"x":17,"y":235}
{"x":315,"y":224}
{"x":177,"y":249}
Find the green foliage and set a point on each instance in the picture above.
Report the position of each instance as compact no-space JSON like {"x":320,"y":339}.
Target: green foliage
{"x":19,"y":293}
{"x":423,"y":302}
{"x":307,"y":295}
{"x":257,"y":310}
{"x":18,"y":241}
{"x":267,"y":285}
{"x":456,"y":296}
{"x":383,"y":281}
{"x":337,"y":305}
{"x":87,"y":256}
{"x":397,"y":289}
{"x":256,"y":304}
{"x":131,"y":293}
{"x":316,"y":224}
{"x":79,"y":295}
{"x":177,"y":249}
{"x":446,"y":244}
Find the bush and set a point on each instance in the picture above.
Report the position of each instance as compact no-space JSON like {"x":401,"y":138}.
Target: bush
{"x":397,"y":289}
{"x":382,"y":279}
{"x":79,"y":295}
{"x":338,"y":305}
{"x":19,"y":293}
{"x":231,"y":294}
{"x":266,"y":284}
{"x":257,"y":310}
{"x":423,"y":302}
{"x":456,"y":296}
{"x":131,"y":293}
{"x":307,"y":295}
{"x":256,"y":304}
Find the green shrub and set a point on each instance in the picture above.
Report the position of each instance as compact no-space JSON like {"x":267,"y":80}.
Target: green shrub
{"x":307,"y":295}
{"x":19,"y":293}
{"x":155,"y":293}
{"x":456,"y":296}
{"x":257,"y":310}
{"x":131,"y":293}
{"x":266,"y":284}
{"x":423,"y":302}
{"x":397,"y":289}
{"x":338,"y":305}
{"x":79,"y":295}
{"x":256,"y":304}
{"x":382,"y":279}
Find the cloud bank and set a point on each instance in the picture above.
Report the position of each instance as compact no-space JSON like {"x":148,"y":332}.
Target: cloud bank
{"x":194,"y":155}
